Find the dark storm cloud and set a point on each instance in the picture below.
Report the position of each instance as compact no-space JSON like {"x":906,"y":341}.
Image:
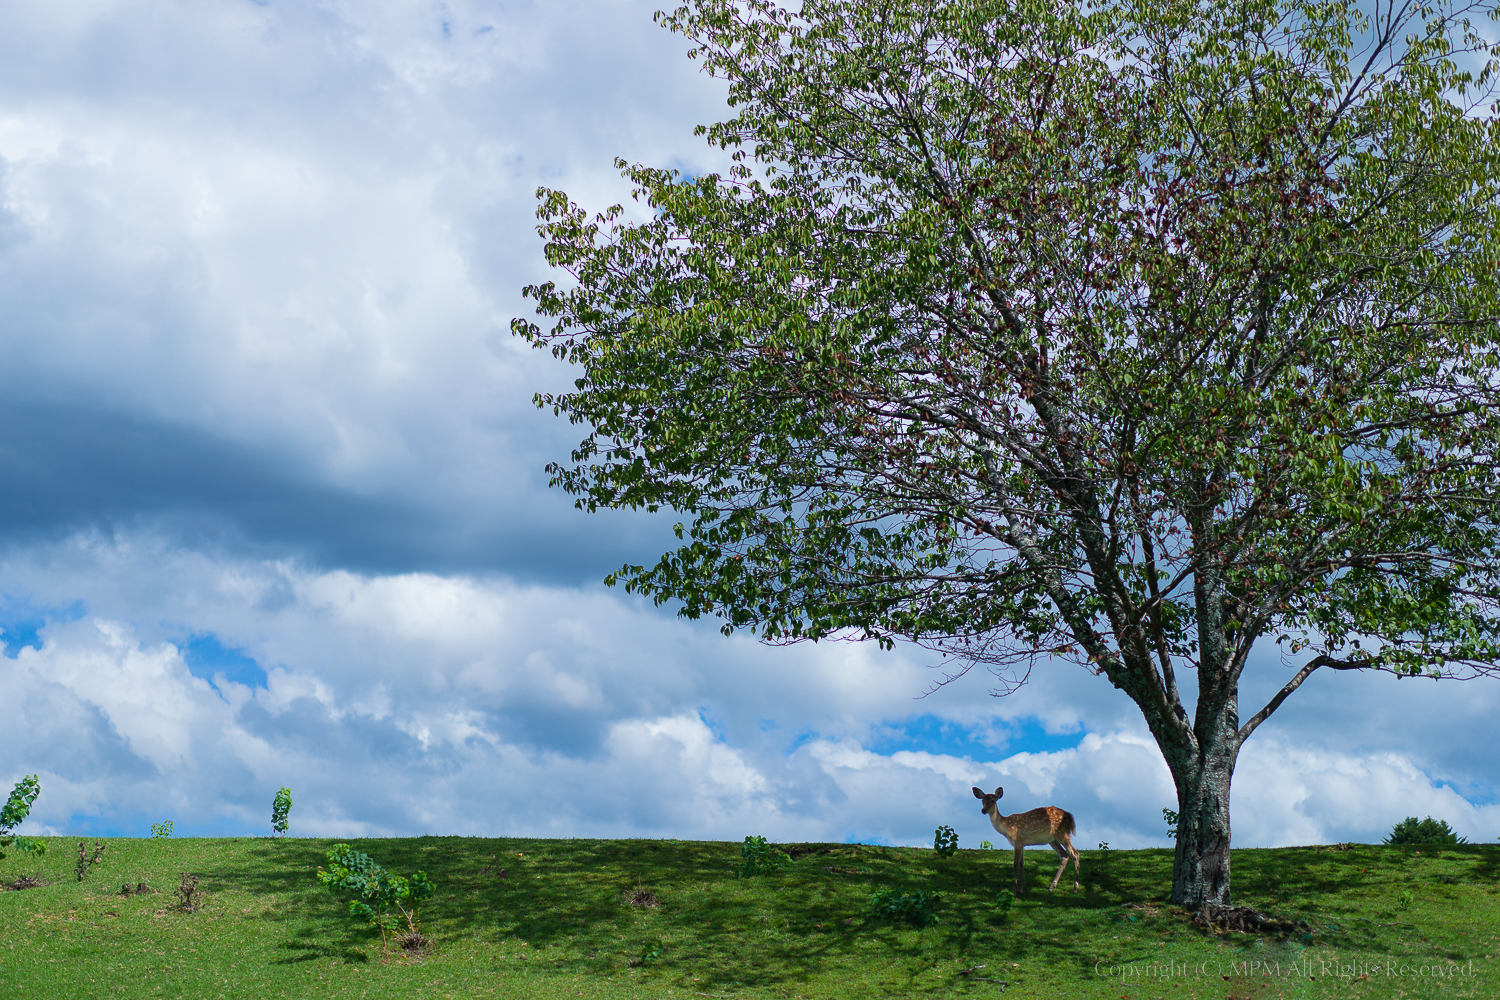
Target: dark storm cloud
{"x":257,"y":266}
{"x":69,"y":467}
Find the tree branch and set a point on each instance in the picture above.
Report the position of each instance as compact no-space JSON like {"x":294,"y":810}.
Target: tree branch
{"x":1322,"y":660}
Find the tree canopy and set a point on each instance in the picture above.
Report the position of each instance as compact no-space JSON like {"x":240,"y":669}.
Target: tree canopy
{"x":1133,"y":333}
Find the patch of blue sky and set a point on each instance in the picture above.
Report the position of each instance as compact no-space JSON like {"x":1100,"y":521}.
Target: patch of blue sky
{"x":799,"y":741}
{"x":714,"y":720}
{"x":208,"y":658}
{"x":21,"y":622}
{"x":20,"y":634}
{"x":95,"y":825}
{"x":989,"y":742}
{"x":1476,"y":793}
{"x":866,"y":840}
{"x":139,"y":825}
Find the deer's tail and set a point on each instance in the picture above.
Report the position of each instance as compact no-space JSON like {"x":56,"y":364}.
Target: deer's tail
{"x":1067,"y":826}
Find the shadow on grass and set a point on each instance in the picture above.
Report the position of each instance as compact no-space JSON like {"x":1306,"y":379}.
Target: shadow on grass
{"x":566,"y":900}
{"x":566,"y":903}
{"x":1487,"y":863}
{"x":312,"y":949}
{"x":319,"y":924}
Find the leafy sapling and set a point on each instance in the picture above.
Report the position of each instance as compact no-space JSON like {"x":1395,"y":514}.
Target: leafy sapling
{"x":17,"y":807}
{"x":281,"y":806}
{"x":945,"y":841}
{"x":760,"y":857}
{"x":378,"y":896}
{"x":162,"y":830}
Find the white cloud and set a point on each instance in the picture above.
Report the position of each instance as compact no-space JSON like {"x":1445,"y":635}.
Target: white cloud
{"x":1300,"y":794}
{"x":421,"y":703}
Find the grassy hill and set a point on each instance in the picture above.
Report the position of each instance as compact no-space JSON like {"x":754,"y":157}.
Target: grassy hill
{"x":552,"y":918}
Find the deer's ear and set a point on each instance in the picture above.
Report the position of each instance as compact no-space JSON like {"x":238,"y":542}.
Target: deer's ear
{"x":978,"y":794}
{"x":999,"y":792}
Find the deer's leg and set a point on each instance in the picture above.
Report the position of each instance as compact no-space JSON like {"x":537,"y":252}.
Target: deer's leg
{"x":1066,"y":849}
{"x":1018,"y":880}
{"x":1064,"y":856}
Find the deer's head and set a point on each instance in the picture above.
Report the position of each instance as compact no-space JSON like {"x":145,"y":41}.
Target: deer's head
{"x":987,"y":801}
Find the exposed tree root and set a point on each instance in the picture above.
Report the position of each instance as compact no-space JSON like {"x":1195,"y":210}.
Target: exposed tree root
{"x":1245,"y":920}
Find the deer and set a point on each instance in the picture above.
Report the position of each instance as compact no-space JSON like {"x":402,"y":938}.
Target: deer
{"x":1047,"y":825}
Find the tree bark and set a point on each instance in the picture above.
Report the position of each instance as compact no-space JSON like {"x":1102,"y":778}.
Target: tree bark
{"x":1200,"y":868}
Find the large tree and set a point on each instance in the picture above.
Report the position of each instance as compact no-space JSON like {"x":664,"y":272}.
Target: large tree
{"x":1133,"y":333}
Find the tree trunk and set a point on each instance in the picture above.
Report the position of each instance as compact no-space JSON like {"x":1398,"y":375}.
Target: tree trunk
{"x":1200,"y":869}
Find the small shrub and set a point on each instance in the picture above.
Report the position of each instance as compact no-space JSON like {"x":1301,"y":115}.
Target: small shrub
{"x":281,"y":806}
{"x":1427,"y":831}
{"x":162,"y":829}
{"x":761,"y":858}
{"x":650,"y":952}
{"x":1103,"y":845}
{"x":985,"y":845}
{"x":188,"y":896}
{"x":945,"y":841}
{"x":1171,"y":818}
{"x":85,"y":860}
{"x":1003,"y":900}
{"x":17,"y":807}
{"x":897,"y":906}
{"x":380,"y":897}
{"x":1404,"y":900}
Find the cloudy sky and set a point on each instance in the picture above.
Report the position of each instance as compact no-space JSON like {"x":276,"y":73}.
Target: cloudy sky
{"x":274,"y":510}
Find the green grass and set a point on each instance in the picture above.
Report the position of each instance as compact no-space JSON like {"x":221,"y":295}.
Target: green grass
{"x":557,"y":925}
